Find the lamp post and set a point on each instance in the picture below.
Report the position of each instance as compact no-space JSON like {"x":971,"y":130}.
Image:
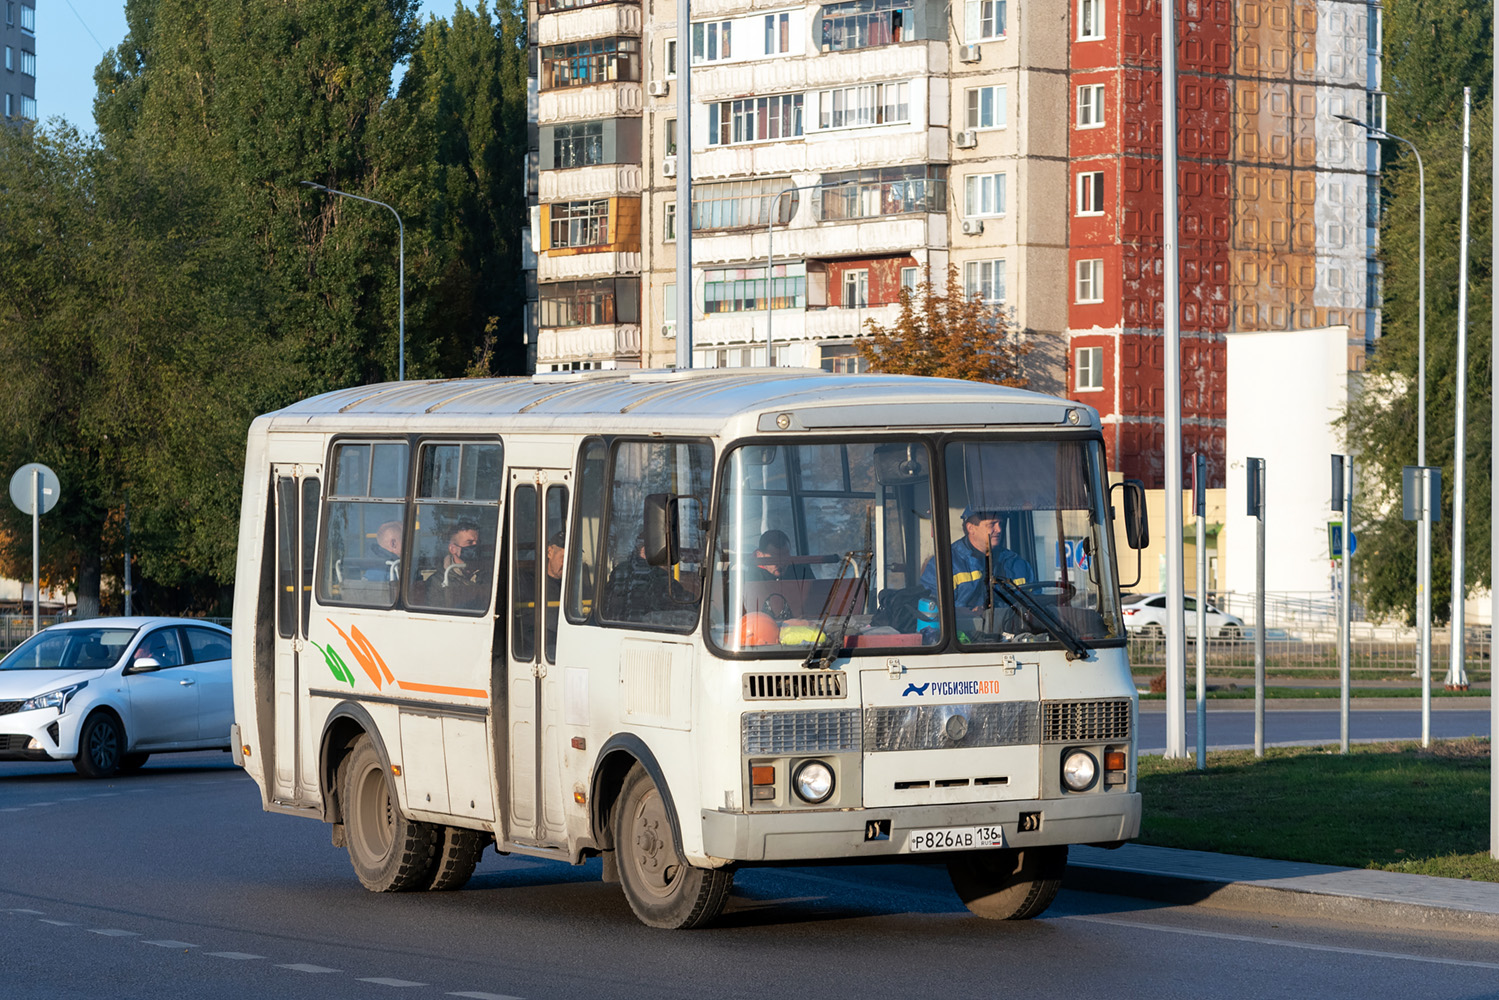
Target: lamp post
{"x":1423,"y":534}
{"x":770,"y":262}
{"x":400,"y":274}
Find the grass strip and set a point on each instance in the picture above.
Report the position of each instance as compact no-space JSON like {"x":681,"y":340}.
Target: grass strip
{"x":1387,"y":806}
{"x":1243,"y":693}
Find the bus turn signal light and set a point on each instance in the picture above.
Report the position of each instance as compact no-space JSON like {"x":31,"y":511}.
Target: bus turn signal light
{"x":1113,"y":760}
{"x":763,"y":782}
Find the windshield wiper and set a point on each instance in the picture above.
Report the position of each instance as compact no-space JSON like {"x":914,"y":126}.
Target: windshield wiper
{"x":1022,"y":601}
{"x":829,"y":641}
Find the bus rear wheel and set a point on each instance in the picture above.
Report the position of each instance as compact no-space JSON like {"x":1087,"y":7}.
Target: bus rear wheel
{"x":458,"y":852}
{"x":662,"y":888}
{"x":1009,"y":884}
{"x":389,"y":852}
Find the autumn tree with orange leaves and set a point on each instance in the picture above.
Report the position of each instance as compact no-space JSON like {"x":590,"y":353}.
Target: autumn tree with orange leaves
{"x":947,"y":335}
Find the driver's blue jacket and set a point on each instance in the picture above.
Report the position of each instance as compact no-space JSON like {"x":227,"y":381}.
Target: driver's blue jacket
{"x":968,"y":569}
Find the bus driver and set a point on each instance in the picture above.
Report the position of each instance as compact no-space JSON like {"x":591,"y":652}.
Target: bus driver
{"x":977,"y":559}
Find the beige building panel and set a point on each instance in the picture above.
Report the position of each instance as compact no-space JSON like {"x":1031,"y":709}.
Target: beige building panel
{"x":1042,"y":29}
{"x":1043,"y":123}
{"x":1264,"y":121}
{"x":1262,"y":208}
{"x":1264,"y":44}
{"x":1304,"y":18}
{"x":598,"y":21}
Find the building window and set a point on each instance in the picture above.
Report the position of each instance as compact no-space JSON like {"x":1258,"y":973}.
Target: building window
{"x":856,"y":289}
{"x":1090,"y":105}
{"x":984,"y":194}
{"x":860,"y":24}
{"x":671,"y":137}
{"x":10,"y":12}
{"x":1089,"y":19}
{"x":590,"y":303}
{"x":671,"y":58}
{"x":984,"y":19}
{"x":742,"y":204}
{"x":670,"y":235}
{"x":1090,"y":193}
{"x":28,"y":107}
{"x":869,"y":104}
{"x":582,"y":64}
{"x":669,"y":310}
{"x":842,"y":359}
{"x":985,"y":279}
{"x":1089,"y":368}
{"x":1089,"y":281}
{"x":580,"y":144}
{"x":869,"y":194}
{"x":28,"y":19}
{"x":10,"y":106}
{"x":28,"y":63}
{"x":1376,"y":30}
{"x":754,"y":119}
{"x":777,"y":34}
{"x":986,"y":107}
{"x":910,"y":279}
{"x":580,"y":224}
{"x":10,"y":58}
{"x":710,"y":41}
{"x":743,"y":289}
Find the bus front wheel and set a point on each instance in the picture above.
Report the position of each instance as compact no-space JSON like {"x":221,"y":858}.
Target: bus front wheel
{"x":389,"y":852}
{"x":663,"y":889}
{"x":1009,"y":884}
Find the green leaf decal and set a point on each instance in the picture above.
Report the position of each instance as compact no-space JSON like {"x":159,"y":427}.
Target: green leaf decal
{"x":336,"y":664}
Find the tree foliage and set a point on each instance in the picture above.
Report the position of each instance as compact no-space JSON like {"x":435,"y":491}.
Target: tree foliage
{"x":947,"y":334}
{"x":1433,"y":48}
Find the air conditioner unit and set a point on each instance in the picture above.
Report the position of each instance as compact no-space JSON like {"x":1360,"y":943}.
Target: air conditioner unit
{"x":668,"y":330}
{"x":966,"y":139}
{"x":669,"y":166}
{"x":968,"y":53}
{"x":658,"y":88}
{"x":973,"y":227}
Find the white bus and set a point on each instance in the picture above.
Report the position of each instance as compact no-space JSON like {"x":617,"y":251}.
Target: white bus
{"x":688,"y":622}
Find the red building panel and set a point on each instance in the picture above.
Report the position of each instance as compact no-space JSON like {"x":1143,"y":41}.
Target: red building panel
{"x":1096,"y":140}
{"x":883,"y":279}
{"x":1103,"y":313}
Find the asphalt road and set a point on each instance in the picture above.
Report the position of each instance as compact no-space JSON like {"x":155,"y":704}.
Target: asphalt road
{"x":1235,"y":729}
{"x":173,"y":883}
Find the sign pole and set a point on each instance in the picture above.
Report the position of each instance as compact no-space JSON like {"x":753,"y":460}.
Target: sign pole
{"x":1345,"y":644}
{"x":1256,"y":478}
{"x":36,"y":551}
{"x":1200,"y":507}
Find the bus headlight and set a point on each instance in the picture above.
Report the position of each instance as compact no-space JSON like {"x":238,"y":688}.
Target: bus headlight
{"x":813,"y":782}
{"x":1079,"y":770}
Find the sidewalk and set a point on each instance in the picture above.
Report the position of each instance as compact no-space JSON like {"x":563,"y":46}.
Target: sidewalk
{"x":1291,"y":888}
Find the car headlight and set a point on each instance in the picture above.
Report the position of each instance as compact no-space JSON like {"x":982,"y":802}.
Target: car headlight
{"x":1079,"y":770}
{"x":53,"y":699}
{"x":813,"y":782}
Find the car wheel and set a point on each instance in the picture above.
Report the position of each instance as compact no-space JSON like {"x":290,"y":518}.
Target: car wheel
{"x":101,"y":746}
{"x":389,"y":852}
{"x":661,"y":887}
{"x":133,"y":762}
{"x":1008,"y":884}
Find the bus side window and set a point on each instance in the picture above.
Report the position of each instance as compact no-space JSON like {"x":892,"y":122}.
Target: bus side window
{"x":583,"y":557}
{"x":454,"y":540}
{"x":366,"y":515}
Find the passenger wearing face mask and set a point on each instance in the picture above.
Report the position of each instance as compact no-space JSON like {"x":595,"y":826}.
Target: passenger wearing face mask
{"x":464,"y":580}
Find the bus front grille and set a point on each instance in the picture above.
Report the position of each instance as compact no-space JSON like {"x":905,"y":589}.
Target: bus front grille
{"x":813,"y":731}
{"x":941,"y":727}
{"x":790,"y":686}
{"x":1085,"y":721}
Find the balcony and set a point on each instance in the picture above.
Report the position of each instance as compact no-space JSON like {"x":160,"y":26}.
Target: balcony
{"x":892,"y":234}
{"x":783,"y":76}
{"x":588,"y":343}
{"x":604,"y":100}
{"x":819,"y":152}
{"x":613,"y":180}
{"x":842,"y":324}
{"x":600,"y":21}
{"x":586,"y":265}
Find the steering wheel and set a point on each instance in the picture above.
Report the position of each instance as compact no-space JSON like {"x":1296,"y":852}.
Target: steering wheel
{"x":1059,"y":590}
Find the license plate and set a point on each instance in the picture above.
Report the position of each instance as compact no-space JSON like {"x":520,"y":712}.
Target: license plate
{"x":956,"y":838}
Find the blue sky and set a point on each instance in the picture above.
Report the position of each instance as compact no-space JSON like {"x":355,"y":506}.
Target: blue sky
{"x":72,"y":36}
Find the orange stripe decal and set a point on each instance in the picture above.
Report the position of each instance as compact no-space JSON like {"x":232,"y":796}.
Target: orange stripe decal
{"x":440,"y":689}
{"x":374,"y":653}
{"x":360,"y":656}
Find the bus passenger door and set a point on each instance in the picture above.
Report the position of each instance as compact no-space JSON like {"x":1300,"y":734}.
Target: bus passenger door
{"x":298,"y":491}
{"x":538,"y":518}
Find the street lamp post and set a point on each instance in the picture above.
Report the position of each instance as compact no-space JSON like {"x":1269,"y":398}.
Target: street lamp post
{"x":770,"y":264}
{"x":1423,"y":535}
{"x":400,"y":274}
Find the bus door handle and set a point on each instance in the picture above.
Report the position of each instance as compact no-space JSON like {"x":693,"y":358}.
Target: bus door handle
{"x":538,"y":670}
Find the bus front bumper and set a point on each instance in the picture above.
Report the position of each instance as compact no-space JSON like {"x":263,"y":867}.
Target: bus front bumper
{"x":865,"y":833}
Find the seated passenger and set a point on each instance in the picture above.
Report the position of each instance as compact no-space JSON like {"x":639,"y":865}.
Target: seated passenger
{"x":977,"y":560}
{"x":636,"y":590}
{"x":463,"y":581}
{"x":772,"y":559}
{"x":386,"y":547}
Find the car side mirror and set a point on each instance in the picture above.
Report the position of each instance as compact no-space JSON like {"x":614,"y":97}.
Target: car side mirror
{"x":144,"y":665}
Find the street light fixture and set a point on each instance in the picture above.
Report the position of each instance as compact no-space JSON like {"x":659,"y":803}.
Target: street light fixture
{"x":401,"y":273}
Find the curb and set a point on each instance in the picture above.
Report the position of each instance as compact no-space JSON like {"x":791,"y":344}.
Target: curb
{"x":1278,"y":899}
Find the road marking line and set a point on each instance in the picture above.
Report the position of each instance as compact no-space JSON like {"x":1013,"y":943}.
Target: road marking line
{"x":170,"y":944}
{"x":1303,"y":946}
{"x":485,"y":996}
{"x":113,"y":932}
{"x":300,"y":967}
{"x":35,"y":805}
{"x":236,"y":955}
{"x":378,"y":981}
{"x":13,"y":809}
{"x":34,"y":913}
{"x":57,"y":923}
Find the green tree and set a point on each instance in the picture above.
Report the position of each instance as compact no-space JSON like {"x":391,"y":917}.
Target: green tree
{"x":946,"y":334}
{"x":1433,"y":48}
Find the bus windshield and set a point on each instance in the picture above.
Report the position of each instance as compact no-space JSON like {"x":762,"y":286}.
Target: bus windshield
{"x":835,"y":544}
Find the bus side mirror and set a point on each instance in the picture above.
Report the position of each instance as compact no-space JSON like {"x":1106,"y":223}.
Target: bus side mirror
{"x":1136,"y":521}
{"x":660,"y":529}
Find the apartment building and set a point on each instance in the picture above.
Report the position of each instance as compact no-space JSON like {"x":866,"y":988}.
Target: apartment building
{"x":20,"y":61}
{"x":839,"y":149}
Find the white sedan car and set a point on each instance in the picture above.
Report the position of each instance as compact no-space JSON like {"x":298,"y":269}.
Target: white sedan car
{"x":1145,"y":614}
{"x":106,"y":693}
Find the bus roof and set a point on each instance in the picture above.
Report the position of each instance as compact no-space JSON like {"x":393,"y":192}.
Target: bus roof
{"x":703,"y":401}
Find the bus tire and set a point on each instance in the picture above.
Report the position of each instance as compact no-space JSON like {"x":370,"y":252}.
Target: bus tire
{"x":1009,"y":884}
{"x":389,"y":852}
{"x":458,"y":852}
{"x":663,"y":889}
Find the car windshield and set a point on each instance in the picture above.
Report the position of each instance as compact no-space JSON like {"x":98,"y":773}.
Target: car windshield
{"x":70,"y":649}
